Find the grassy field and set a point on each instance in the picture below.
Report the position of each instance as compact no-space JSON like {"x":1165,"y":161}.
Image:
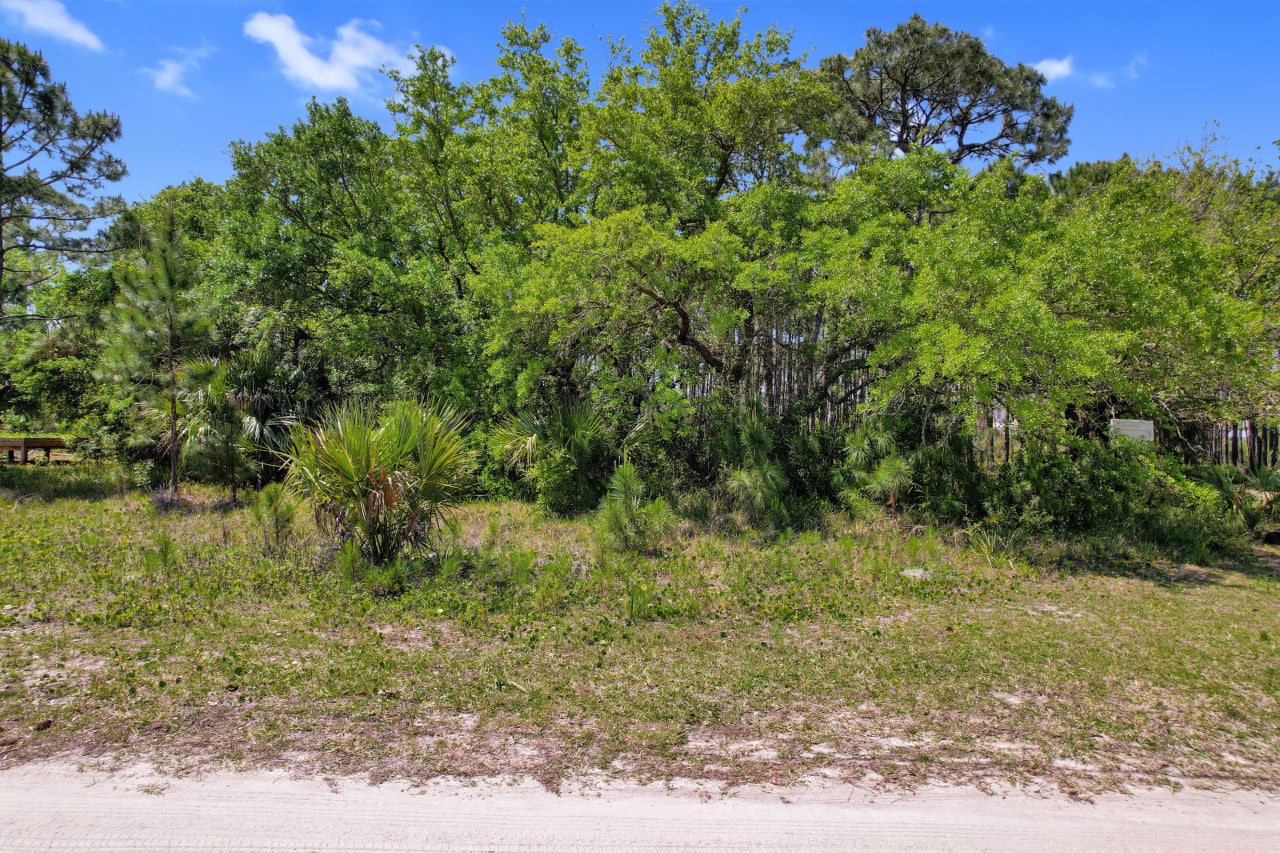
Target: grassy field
{"x":866,"y":651}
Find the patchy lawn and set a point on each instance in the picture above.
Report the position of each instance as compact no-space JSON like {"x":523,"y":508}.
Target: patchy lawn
{"x":866,"y":651}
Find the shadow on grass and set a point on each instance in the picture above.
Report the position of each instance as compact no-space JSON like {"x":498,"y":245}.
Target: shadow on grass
{"x":1174,"y":569}
{"x":93,"y":482}
{"x":57,"y":482}
{"x":187,"y":504}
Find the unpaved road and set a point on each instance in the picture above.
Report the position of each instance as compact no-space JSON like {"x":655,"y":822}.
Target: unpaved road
{"x":57,"y":807}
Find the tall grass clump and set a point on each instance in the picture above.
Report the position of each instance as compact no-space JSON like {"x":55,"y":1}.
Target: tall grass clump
{"x":384,"y":482}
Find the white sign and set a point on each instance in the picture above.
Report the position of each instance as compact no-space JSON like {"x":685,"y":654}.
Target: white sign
{"x":1136,"y":429}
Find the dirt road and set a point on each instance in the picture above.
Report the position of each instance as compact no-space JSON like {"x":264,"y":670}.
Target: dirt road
{"x":57,"y":807}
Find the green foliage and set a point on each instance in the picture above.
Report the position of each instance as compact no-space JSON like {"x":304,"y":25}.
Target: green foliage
{"x":1119,"y":486}
{"x":156,"y":329}
{"x":699,"y":111}
{"x":239,"y":424}
{"x":379,"y":579}
{"x":870,"y":450}
{"x":627,"y":521}
{"x":890,"y":481}
{"x":927,"y":85}
{"x":52,"y":160}
{"x":676,"y":242}
{"x":275,"y":512}
{"x":382,"y":482}
{"x":1238,"y":492}
{"x":218,"y":446}
{"x":754,"y":481}
{"x":564,"y":452}
{"x":1264,"y":486}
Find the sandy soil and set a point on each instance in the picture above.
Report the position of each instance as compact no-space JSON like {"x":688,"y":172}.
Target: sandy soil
{"x":60,"y":807}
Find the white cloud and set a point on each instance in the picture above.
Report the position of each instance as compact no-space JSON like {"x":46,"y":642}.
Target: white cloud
{"x":352,"y":55}
{"x":1134,"y":69}
{"x":987,"y":33}
{"x":52,"y":18}
{"x":1056,"y":69}
{"x":169,"y":74}
{"x":1061,"y":69}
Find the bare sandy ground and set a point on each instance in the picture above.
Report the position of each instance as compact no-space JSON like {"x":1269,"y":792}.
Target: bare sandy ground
{"x":59,"y":807}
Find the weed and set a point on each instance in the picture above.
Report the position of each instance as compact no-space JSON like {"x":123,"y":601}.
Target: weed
{"x":275,"y":513}
{"x":526,"y":653}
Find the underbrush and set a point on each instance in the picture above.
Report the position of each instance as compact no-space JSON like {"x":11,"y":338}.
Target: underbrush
{"x":876,"y":647}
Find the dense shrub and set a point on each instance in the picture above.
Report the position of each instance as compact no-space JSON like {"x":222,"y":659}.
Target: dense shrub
{"x":565,"y":453}
{"x":383,"y":482}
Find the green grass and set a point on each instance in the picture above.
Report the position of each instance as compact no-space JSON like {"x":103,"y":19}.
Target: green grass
{"x":168,"y":636}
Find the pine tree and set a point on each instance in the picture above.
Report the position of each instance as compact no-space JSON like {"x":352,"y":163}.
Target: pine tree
{"x":156,"y":327}
{"x":52,"y":161}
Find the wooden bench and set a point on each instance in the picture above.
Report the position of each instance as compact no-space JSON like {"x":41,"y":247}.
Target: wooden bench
{"x":24,"y":445}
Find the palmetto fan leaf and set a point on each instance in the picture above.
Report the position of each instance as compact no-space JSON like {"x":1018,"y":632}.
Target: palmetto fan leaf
{"x":385,"y":482}
{"x":563,"y":450}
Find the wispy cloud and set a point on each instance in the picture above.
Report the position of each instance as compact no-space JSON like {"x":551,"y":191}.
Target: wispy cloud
{"x":352,"y":56}
{"x":1062,"y":69}
{"x":1134,"y":69}
{"x":169,"y":75}
{"x":1056,"y":69}
{"x":52,"y":18}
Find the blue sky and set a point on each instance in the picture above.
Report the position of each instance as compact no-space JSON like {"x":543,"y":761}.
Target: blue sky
{"x":187,"y":78}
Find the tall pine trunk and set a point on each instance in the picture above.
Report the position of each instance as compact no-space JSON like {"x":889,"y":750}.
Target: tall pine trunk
{"x":173,"y":417}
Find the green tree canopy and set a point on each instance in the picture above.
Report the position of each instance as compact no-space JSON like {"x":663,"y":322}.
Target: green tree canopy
{"x":156,"y":330}
{"x":52,"y":162}
{"x":926,"y":84}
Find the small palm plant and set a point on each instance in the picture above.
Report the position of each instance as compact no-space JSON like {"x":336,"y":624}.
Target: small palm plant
{"x":274,"y":511}
{"x":756,"y":485}
{"x":874,"y":469}
{"x":890,"y":481}
{"x":565,"y":451}
{"x":214,"y":438}
{"x":1265,"y":485}
{"x":384,"y":483}
{"x":235,"y":426}
{"x":1234,"y":488}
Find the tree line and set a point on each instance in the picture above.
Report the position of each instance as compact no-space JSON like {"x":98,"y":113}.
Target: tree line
{"x":759,"y":287}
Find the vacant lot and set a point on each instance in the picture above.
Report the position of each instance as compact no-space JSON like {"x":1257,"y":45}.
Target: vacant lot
{"x":871,"y":650}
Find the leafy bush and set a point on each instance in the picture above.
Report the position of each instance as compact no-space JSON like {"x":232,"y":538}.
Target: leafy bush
{"x":564,"y":452}
{"x":755,"y":482}
{"x":1180,"y":512}
{"x":1116,"y":486}
{"x":627,"y":521}
{"x":384,"y":483}
{"x":1085,"y":486}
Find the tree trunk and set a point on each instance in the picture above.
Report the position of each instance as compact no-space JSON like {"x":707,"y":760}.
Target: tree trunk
{"x":173,"y":419}
{"x":173,"y":446}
